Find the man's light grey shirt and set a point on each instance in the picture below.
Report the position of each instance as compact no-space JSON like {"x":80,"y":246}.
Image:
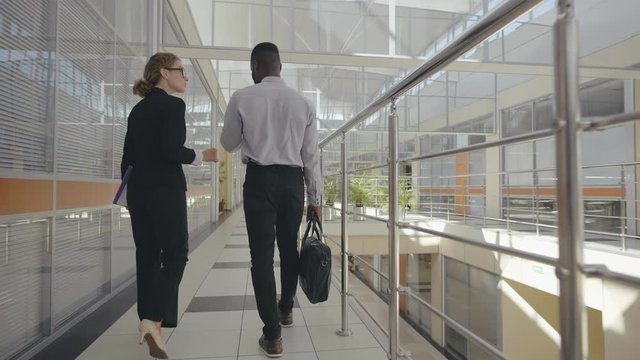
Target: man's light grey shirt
{"x":275,"y":125}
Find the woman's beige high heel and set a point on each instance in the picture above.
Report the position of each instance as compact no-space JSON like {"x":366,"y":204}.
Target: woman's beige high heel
{"x":149,"y":332}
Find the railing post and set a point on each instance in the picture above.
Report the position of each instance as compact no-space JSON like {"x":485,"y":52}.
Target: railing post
{"x":344,"y":241}
{"x":536,"y":208}
{"x":394,"y":246}
{"x":569,"y":184}
{"x":507,"y":208}
{"x":623,"y":210}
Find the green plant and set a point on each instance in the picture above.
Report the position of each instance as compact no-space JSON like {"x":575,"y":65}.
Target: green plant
{"x":405,"y":194}
{"x":360,"y":189}
{"x":330,"y":190}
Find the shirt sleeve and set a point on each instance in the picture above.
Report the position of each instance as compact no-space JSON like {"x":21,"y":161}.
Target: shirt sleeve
{"x":311,"y":161}
{"x":231,"y":136}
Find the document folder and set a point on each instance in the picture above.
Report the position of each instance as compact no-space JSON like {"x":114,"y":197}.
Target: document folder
{"x":121,"y":195}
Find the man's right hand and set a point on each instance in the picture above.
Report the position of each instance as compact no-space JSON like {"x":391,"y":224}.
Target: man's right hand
{"x":210,"y":155}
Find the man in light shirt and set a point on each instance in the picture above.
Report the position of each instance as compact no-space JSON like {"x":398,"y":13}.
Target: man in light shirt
{"x":276,"y":129}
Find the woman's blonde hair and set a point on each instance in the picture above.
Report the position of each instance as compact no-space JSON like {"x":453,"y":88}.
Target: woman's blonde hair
{"x":152,"y":75}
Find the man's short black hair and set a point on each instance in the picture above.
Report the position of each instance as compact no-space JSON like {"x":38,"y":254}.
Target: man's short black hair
{"x":266,"y":54}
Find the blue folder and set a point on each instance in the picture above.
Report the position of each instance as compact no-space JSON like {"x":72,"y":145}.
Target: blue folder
{"x":121,"y":195}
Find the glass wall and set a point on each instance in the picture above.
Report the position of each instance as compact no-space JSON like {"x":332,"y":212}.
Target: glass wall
{"x":529,"y":167}
{"x":67,"y":69}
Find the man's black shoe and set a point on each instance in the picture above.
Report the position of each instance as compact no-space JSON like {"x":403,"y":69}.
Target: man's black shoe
{"x":271,"y":348}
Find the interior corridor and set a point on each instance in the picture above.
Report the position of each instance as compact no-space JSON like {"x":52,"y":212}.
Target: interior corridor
{"x":219,"y":318}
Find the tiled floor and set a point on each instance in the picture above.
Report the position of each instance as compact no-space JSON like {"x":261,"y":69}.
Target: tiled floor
{"x":220,"y":320}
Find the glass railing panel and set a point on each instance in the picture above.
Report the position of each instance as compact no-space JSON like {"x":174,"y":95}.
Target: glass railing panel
{"x":609,"y":73}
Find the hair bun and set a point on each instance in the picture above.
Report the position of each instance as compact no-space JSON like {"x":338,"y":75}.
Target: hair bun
{"x":141,"y":87}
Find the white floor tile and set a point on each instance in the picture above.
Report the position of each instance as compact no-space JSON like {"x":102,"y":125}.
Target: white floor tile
{"x":226,"y":276}
{"x":328,"y":315}
{"x":359,"y":354}
{"x":234,"y":255}
{"x":224,"y":282}
{"x":210,"y":321}
{"x":251,"y":319}
{"x":127,"y":324}
{"x":220,"y":291}
{"x":333,"y":300}
{"x":325,"y":338}
{"x":110,"y":347}
{"x":296,"y":339}
{"x":194,"y":274}
{"x":204,"y":344}
{"x":238,"y":240}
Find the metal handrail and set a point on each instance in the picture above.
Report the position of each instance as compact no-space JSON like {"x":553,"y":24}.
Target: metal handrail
{"x":595,"y":232}
{"x":501,"y":249}
{"x":622,"y":235}
{"x":379,"y":166}
{"x":570,"y":214}
{"x":519,"y":222}
{"x":541,"y":225}
{"x":632,"y":163}
{"x":466,"y":149}
{"x":599,"y":123}
{"x":384,"y":276}
{"x":375,"y":218}
{"x":601,"y":271}
{"x":472,"y":37}
{"x":485,"y":145}
{"x":348,"y":212}
{"x":525,"y":171}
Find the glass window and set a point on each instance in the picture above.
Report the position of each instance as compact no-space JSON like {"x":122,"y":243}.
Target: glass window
{"x":543,"y":114}
{"x":517,"y":120}
{"x":518,"y":158}
{"x":419,"y":280}
{"x":472,"y":298}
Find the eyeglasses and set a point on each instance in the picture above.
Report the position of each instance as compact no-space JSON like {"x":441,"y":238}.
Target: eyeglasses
{"x":181,"y":69}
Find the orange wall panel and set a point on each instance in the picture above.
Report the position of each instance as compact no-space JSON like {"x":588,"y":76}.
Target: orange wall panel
{"x":18,"y":196}
{"x":462,"y":170}
{"x":79,"y":194}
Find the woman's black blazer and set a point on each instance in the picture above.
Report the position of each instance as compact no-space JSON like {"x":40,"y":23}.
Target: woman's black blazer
{"x":154,"y":144}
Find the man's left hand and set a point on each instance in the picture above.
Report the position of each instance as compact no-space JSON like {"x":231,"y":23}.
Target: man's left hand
{"x":314,"y":211}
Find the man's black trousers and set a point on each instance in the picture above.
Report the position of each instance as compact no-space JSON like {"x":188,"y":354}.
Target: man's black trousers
{"x":273,"y":206}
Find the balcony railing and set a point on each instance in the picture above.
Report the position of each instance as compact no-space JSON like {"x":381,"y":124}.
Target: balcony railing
{"x":567,"y":190}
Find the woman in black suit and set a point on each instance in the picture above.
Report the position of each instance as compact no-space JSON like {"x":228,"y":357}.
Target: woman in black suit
{"x":156,"y":194}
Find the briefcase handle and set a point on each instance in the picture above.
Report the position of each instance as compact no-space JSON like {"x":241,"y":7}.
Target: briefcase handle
{"x":314,"y":225}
